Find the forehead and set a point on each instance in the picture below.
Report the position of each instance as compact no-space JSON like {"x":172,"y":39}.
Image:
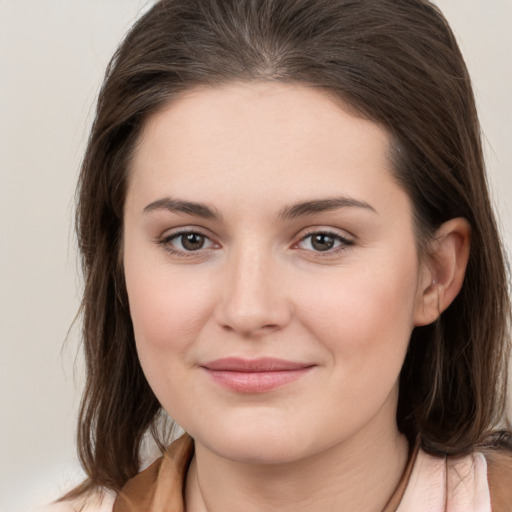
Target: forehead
{"x":264,"y":112}
{"x":258,"y":138}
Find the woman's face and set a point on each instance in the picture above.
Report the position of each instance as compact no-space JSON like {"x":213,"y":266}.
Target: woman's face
{"x":271,"y":269}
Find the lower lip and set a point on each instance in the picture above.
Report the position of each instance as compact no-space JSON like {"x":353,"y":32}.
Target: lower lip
{"x":256,"y":382}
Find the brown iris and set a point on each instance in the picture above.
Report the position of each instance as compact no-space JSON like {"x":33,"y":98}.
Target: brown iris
{"x":322,"y":242}
{"x":192,"y":241}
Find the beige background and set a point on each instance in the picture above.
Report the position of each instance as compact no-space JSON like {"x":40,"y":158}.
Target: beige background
{"x":52,"y":56}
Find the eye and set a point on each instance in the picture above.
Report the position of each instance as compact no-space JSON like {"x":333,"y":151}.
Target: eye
{"x":186,"y":242}
{"x":324,"y":241}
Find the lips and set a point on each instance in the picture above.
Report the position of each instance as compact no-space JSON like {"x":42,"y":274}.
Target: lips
{"x":255,"y":375}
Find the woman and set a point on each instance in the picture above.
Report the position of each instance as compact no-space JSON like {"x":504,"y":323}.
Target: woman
{"x":289,"y":248}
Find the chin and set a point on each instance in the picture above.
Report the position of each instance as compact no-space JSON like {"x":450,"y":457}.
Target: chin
{"x":257,"y":442}
{"x":259,"y":450}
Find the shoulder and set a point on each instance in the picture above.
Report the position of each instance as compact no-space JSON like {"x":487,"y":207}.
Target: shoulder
{"x":467,"y":484}
{"x":100,"y":501}
{"x":165,"y":474}
{"x":449,"y":484}
{"x":162,"y":482}
{"x":499,"y":474}
{"x":483,"y":477}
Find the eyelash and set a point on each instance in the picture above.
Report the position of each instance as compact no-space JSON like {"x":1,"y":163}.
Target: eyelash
{"x":345,"y":243}
{"x":166,"y":243}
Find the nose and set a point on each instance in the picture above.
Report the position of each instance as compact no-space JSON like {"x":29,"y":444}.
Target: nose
{"x":253,"y":299}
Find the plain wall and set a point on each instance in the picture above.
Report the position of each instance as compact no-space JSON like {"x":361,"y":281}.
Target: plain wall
{"x":52,"y":58}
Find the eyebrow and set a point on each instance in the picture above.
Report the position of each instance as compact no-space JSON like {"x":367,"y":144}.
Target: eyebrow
{"x":289,"y":212}
{"x":188,"y":207}
{"x":322,"y":205}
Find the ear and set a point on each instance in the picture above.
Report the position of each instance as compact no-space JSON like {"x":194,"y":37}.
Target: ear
{"x":442,"y":275}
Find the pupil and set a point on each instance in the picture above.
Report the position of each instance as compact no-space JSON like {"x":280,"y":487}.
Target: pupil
{"x":322,"y":242}
{"x":192,"y":241}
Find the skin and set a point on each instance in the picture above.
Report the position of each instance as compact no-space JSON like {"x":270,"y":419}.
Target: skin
{"x":259,"y":287}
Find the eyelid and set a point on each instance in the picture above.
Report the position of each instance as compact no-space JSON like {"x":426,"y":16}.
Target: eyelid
{"x":165,"y":241}
{"x":346,"y":241}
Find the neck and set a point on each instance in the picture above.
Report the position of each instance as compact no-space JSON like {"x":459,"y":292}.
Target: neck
{"x":359,"y":474}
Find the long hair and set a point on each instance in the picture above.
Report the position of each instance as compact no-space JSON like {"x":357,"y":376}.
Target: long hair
{"x":395,"y":62}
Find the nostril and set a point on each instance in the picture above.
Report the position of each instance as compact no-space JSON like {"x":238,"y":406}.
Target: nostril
{"x":248,"y":330}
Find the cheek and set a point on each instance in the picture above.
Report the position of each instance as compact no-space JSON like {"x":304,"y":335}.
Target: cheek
{"x":167,"y":313}
{"x":167,"y":308}
{"x":364,"y":312}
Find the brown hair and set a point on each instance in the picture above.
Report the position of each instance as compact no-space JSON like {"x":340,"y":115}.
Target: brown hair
{"x":392,"y":61}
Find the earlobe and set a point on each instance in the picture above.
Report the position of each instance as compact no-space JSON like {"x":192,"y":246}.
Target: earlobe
{"x":443,"y":274}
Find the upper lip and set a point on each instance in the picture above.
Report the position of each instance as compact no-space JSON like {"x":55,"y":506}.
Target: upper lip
{"x":264,"y":364}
